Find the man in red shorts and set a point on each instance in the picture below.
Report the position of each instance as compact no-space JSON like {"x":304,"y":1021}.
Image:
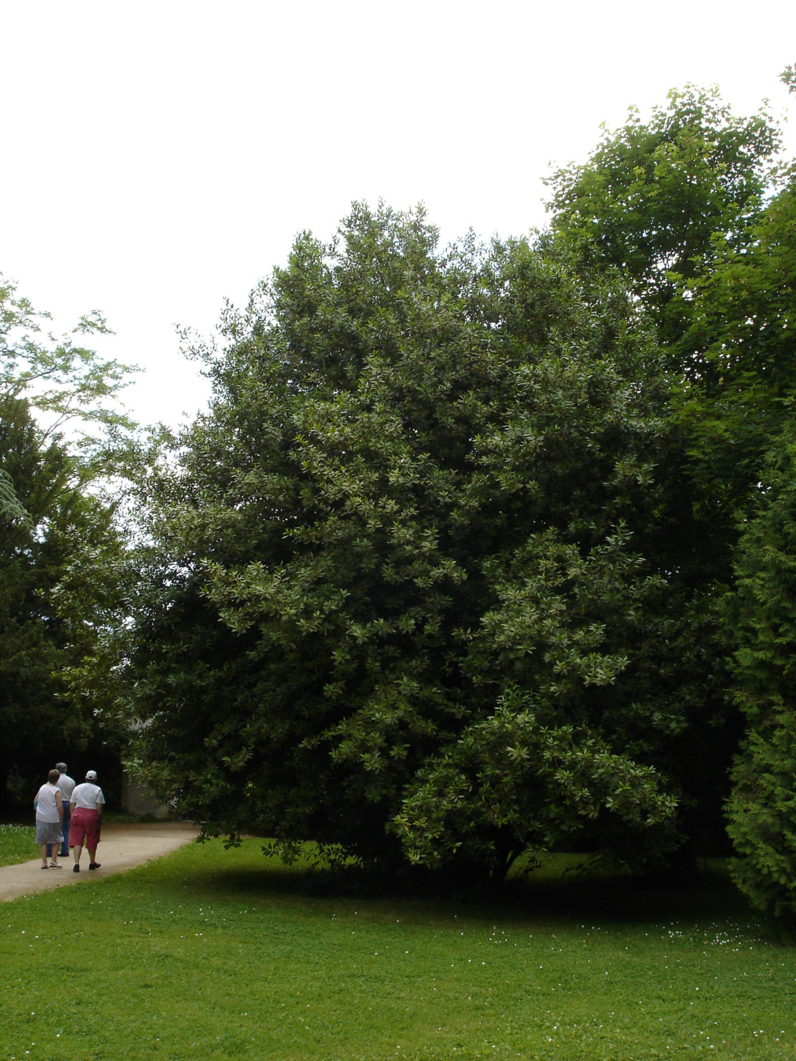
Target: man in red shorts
{"x":87,"y":804}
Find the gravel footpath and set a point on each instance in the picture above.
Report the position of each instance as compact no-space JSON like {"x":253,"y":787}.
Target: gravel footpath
{"x":121,"y":847}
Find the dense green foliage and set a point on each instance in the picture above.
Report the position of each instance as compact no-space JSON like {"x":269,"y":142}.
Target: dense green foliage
{"x":59,"y":547}
{"x":436,"y":577}
{"x":680,"y":204}
{"x":405,"y":591}
{"x":654,"y":195}
{"x":693,"y":209}
{"x":762,"y":811}
{"x":34,"y":554}
{"x":742,"y":331}
{"x":218,"y":954}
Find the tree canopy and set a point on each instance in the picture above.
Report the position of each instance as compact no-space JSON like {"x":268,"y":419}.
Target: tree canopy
{"x":742,"y":327}
{"x":654,"y":196}
{"x":402,"y":598}
{"x":692,"y":207}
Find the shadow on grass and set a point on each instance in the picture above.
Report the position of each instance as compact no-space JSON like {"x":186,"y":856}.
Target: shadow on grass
{"x":554,"y":892}
{"x":628,"y":899}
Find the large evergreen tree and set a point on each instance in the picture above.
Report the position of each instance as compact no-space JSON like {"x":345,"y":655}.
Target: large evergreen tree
{"x":401,"y":594}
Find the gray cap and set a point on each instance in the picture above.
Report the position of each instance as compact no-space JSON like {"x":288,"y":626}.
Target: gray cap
{"x":91,"y":775}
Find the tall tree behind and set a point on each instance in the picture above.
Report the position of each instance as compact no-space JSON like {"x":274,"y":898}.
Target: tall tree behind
{"x":743,"y":326}
{"x":669,"y":202}
{"x":58,"y":543}
{"x":680,"y":205}
{"x":654,"y":195}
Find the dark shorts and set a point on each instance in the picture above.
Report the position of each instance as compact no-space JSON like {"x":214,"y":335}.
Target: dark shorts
{"x":84,"y":826}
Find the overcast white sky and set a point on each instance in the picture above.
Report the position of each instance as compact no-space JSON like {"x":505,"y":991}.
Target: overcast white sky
{"x":159,"y":157}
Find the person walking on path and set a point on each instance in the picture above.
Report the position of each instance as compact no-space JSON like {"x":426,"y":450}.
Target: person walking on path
{"x":87,"y":804}
{"x":66,"y":785}
{"x":49,"y":818}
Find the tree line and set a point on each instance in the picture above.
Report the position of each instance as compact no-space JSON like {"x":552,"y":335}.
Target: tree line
{"x":478,"y":551}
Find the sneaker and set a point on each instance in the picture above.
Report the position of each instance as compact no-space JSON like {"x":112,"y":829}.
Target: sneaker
{"x":75,"y":868}
{"x":94,"y":865}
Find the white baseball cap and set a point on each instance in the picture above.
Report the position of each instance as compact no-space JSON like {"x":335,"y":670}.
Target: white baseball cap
{"x":91,"y":775}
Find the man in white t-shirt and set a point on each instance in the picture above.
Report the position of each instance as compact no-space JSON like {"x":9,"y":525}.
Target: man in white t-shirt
{"x":87,"y":804}
{"x":66,"y":785}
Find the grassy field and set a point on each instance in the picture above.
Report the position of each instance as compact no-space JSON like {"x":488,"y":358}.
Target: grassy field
{"x":218,"y":954}
{"x":17,"y":844}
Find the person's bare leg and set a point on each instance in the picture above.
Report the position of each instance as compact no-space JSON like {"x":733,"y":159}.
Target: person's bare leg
{"x":43,"y":848}
{"x":92,"y":855}
{"x":77,"y":851}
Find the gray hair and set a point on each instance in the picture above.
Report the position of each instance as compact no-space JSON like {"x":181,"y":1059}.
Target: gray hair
{"x":61,"y":767}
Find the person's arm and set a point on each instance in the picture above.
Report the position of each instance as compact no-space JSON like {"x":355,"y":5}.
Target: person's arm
{"x":60,"y":803}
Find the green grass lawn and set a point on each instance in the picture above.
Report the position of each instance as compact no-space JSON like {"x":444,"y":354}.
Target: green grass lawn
{"x":217,"y":954}
{"x":17,"y":844}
